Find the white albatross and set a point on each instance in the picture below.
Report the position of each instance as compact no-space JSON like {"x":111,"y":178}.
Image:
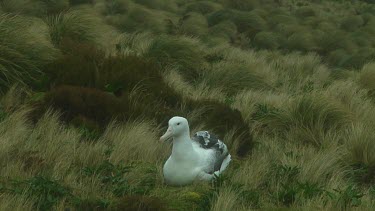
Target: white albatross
{"x":198,"y":158}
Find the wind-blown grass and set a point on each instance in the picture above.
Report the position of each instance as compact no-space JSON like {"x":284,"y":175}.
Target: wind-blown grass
{"x":298,"y":124}
{"x":80,"y":25}
{"x":25,"y":48}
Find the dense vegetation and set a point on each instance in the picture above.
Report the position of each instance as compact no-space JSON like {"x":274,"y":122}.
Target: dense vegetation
{"x":88,"y":87}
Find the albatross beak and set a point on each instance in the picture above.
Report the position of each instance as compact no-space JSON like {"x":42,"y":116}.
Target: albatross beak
{"x":166,"y":135}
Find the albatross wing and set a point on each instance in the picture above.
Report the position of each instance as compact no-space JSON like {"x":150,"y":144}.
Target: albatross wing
{"x":209,"y":141}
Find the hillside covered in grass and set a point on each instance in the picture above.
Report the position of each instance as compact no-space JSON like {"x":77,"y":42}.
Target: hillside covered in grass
{"x":88,"y":86}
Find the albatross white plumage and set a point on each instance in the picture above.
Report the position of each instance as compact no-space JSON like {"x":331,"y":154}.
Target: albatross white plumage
{"x":198,"y":158}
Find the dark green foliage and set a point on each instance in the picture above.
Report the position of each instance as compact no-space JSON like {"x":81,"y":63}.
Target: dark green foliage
{"x":249,"y":23}
{"x":139,"y":202}
{"x":55,"y":6}
{"x":142,"y":19}
{"x":300,"y":41}
{"x":91,"y":204}
{"x":91,"y":103}
{"x":113,"y":7}
{"x":245,"y":5}
{"x":113,"y":176}
{"x":266,"y":40}
{"x":182,"y":54}
{"x":3,"y":114}
{"x":360,"y":58}
{"x":22,"y":52}
{"x":233,"y":78}
{"x":79,"y":66}
{"x":352,"y":23}
{"x":306,"y":11}
{"x":203,"y":7}
{"x":49,"y":192}
{"x":225,"y":29}
{"x":363,"y":174}
{"x":75,"y":2}
{"x":220,"y":16}
{"x":349,"y":197}
{"x":246,"y":22}
{"x":291,"y":188}
{"x":338,"y":57}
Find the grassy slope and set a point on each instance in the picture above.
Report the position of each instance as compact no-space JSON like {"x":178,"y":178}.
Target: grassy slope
{"x":308,"y":101}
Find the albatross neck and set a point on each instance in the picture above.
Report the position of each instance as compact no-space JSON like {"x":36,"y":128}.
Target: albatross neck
{"x":182,"y":147}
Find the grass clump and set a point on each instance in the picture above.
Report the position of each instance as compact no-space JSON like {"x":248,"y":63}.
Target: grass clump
{"x":140,"y":18}
{"x":352,"y":23}
{"x":80,"y":25}
{"x":233,"y":78}
{"x":194,"y":24}
{"x":167,"y":5}
{"x":181,"y":53}
{"x":203,"y":7}
{"x":245,"y":5}
{"x":266,"y":40}
{"x":25,"y":48}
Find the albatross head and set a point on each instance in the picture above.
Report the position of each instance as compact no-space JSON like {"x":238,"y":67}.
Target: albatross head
{"x":178,"y":126}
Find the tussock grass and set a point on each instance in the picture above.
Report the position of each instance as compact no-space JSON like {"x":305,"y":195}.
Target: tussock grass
{"x":84,"y":136}
{"x":168,"y":5}
{"x":25,"y":48}
{"x":194,"y":25}
{"x":367,"y":76}
{"x":266,"y":40}
{"x":203,"y":7}
{"x":227,"y":199}
{"x":80,"y":25}
{"x":233,"y":78}
{"x":140,"y":18}
{"x":132,"y":143}
{"x":182,"y":53}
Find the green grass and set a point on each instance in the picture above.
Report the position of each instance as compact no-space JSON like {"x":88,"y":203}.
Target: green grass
{"x":88,"y":87}
{"x":25,"y":48}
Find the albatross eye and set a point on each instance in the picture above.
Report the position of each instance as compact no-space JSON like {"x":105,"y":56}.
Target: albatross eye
{"x":178,"y":123}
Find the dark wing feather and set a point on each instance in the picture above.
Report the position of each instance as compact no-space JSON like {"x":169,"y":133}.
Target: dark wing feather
{"x":208,"y":140}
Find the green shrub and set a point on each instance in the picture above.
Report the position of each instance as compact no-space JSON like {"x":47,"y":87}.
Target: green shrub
{"x":203,"y":7}
{"x":266,"y":40}
{"x":180,"y":52}
{"x":79,"y":25}
{"x":351,"y":23}
{"x":24,"y":49}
